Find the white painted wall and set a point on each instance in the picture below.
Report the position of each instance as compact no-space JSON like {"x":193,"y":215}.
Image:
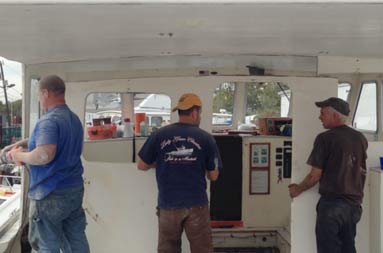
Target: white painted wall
{"x":306,"y":126}
{"x":376,"y":209}
{"x":375,"y":150}
{"x":120,"y":203}
{"x":112,"y":150}
{"x":362,"y":240}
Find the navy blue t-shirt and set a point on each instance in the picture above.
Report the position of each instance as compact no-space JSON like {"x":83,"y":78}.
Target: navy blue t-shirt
{"x":182,"y":153}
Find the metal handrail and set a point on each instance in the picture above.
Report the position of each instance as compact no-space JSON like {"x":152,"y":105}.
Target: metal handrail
{"x":8,"y":176}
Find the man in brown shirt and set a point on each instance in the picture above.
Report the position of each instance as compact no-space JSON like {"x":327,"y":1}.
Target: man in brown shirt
{"x":338,"y":162}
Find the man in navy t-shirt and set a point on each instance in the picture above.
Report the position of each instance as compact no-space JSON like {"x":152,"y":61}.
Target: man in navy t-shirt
{"x":183,"y":155}
{"x":57,"y":219}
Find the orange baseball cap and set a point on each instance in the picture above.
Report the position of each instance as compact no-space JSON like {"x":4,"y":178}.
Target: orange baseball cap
{"x":187,"y":101}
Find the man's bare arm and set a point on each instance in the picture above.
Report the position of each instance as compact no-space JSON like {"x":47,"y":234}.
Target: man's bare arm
{"x":141,"y":165}
{"x":22,"y":143}
{"x":42,"y":154}
{"x":310,"y":180}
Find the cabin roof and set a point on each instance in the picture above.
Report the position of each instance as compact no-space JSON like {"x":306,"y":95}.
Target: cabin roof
{"x":279,"y":33}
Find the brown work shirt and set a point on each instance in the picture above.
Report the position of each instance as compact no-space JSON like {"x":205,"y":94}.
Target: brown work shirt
{"x":341,"y":154}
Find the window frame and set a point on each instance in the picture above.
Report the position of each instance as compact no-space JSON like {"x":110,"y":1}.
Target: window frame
{"x":120,"y":93}
{"x":376,"y":104}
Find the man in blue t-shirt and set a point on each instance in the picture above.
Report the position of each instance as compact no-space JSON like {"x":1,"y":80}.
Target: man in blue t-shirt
{"x":183,"y":155}
{"x":57,"y":219}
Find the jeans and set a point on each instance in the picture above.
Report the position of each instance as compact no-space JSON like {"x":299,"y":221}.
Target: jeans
{"x":196,"y":223}
{"x":58,"y":222}
{"x":336,"y":225}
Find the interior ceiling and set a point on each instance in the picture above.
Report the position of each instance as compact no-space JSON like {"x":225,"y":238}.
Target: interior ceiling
{"x":40,"y":33}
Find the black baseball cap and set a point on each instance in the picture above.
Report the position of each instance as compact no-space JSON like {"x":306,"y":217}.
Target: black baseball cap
{"x":337,"y":104}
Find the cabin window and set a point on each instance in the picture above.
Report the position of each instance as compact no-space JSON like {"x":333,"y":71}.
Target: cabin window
{"x":344,"y":90}
{"x":223,"y":104}
{"x":118,"y":115}
{"x":266,"y":100}
{"x":258,"y":100}
{"x":365,"y":116}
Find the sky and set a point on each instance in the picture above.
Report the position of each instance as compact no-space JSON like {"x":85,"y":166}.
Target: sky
{"x":12,"y":74}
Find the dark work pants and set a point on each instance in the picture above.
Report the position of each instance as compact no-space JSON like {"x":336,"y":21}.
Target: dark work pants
{"x":196,"y":223}
{"x":336,"y":225}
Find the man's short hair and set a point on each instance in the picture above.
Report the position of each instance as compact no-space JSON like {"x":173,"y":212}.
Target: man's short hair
{"x":341,"y":116}
{"x":188,"y":111}
{"x":53,"y":83}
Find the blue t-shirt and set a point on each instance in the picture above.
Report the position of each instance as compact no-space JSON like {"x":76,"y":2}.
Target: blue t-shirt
{"x":60,"y":126}
{"x":182,"y":153}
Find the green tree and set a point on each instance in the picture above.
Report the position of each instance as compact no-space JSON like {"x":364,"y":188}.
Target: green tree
{"x":16,"y":107}
{"x":3,"y":110}
{"x":224,"y":98}
{"x":263,"y":99}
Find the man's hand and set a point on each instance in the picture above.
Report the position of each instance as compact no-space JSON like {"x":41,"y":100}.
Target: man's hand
{"x":13,"y":155}
{"x":310,"y":180}
{"x":41,"y":155}
{"x":141,"y":165}
{"x":294,"y":190}
{"x":22,"y":143}
{"x":6,"y":149}
{"x":213,"y":175}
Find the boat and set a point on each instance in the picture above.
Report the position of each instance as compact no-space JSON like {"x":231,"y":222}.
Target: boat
{"x":180,"y":152}
{"x":227,"y":52}
{"x":10,"y":204}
